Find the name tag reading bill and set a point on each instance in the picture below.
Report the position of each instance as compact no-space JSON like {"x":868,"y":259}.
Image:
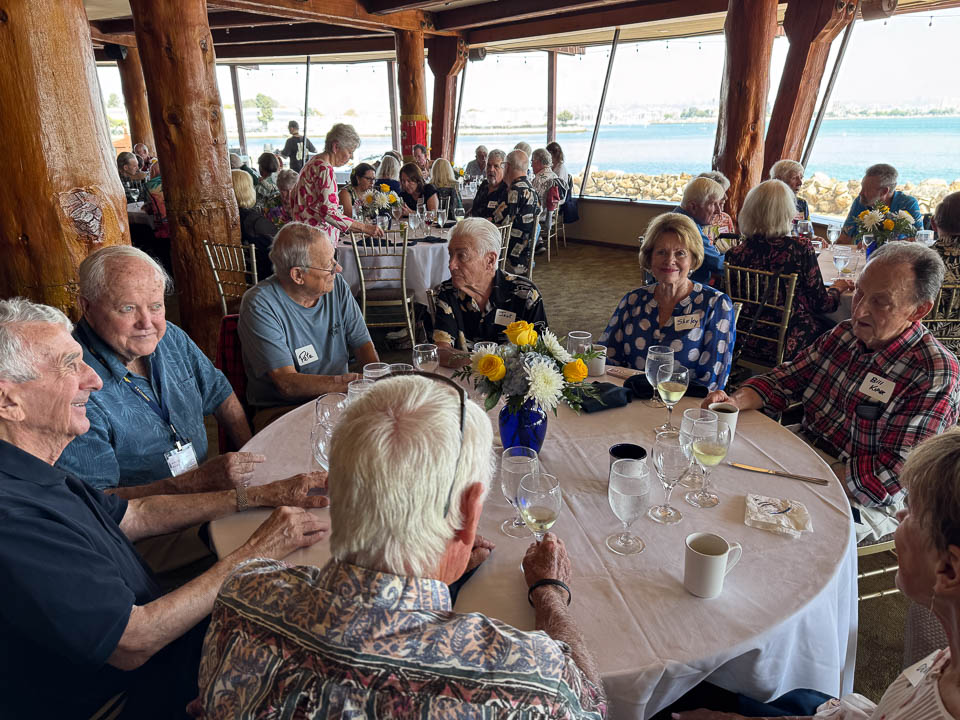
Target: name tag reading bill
{"x":686,"y":322}
{"x":877,"y":388}
{"x":504,"y":317}
{"x":305,"y":355}
{"x":492,"y":204}
{"x":182,"y":459}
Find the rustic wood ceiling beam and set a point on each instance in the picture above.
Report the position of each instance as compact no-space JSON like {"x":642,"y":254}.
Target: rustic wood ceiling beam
{"x":296,"y":31}
{"x":305,"y":47}
{"x":383,"y":7}
{"x":497,"y":13}
{"x":218,"y":20}
{"x":337,"y":12}
{"x":116,"y":38}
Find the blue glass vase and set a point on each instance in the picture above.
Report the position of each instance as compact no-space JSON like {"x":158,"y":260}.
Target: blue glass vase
{"x":870,"y":248}
{"x":526,"y":427}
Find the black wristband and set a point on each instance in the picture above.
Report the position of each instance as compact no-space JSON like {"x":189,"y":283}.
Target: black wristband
{"x":548,"y":581}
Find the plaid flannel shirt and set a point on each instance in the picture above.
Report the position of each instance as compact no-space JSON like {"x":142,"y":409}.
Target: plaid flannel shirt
{"x":826,"y":378}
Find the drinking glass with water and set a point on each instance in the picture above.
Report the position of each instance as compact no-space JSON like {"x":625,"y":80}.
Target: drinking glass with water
{"x":628,"y":492}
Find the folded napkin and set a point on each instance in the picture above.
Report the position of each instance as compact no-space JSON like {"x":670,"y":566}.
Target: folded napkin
{"x":432,"y":239}
{"x":643,"y":390}
{"x":608,"y":396}
{"x":783,"y":517}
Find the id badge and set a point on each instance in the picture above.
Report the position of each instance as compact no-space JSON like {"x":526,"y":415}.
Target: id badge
{"x":179,"y":461}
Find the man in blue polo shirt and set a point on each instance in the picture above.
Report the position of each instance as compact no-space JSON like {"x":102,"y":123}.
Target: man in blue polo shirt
{"x":879,"y":187}
{"x":81,"y":618}
{"x":701,"y":202}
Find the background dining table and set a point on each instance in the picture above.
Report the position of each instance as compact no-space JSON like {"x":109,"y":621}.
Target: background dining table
{"x":787,"y":617}
{"x":829,"y":273}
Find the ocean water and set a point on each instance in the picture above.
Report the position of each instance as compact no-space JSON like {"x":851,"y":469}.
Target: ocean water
{"x":920,"y":148}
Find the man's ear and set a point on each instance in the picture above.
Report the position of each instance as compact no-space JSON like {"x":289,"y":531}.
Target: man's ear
{"x":84,"y":304}
{"x":947,"y":582}
{"x":471,"y":507}
{"x":11,"y":410}
{"x":921,"y":311}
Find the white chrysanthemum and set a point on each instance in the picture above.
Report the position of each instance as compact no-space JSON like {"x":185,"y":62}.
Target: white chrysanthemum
{"x":905,"y":214}
{"x":872,"y":219}
{"x":546,"y":384}
{"x":369,"y":198}
{"x":382,"y":201}
{"x":555,"y":348}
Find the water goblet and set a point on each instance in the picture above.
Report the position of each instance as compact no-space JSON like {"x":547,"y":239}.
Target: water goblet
{"x":539,"y":500}
{"x":425,"y":357}
{"x":841,"y":258}
{"x":711,"y":441}
{"x":833,"y":234}
{"x":515,"y":463}
{"x":671,"y":459}
{"x":672,"y":383}
{"x":628,"y":491}
{"x":657,"y":356}
{"x":371,"y":371}
{"x":356,"y":388}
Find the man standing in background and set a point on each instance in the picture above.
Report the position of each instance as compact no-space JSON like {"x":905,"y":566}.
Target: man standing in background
{"x":294,"y":148}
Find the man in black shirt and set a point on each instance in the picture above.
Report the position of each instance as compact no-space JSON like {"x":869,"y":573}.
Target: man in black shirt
{"x":293,"y":150}
{"x":492,"y":191}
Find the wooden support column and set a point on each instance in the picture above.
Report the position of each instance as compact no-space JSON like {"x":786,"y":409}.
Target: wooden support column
{"x":447,"y":57}
{"x":174,"y":40}
{"x":738,"y":153}
{"x":551,"y":96}
{"x":810,"y":26}
{"x":413,"y":92}
{"x":65,"y":200}
{"x":135,"y":98}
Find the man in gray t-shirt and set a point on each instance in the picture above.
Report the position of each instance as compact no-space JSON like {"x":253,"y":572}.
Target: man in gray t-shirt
{"x":298,"y":326}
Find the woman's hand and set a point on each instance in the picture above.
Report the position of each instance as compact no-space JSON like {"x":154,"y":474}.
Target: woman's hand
{"x":373,"y":230}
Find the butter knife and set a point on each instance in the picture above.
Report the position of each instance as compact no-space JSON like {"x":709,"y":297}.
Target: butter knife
{"x":751,"y":468}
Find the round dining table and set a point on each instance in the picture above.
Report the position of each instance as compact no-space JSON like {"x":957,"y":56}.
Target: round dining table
{"x":787,"y":616}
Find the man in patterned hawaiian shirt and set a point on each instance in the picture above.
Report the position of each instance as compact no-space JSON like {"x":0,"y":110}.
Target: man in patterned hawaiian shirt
{"x":873,"y":387}
{"x":479,"y":301}
{"x":521,"y":206}
{"x":373,"y":633}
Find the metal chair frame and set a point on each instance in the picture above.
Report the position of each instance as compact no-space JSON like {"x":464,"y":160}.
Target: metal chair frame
{"x":504,"y":243}
{"x":943,"y":320}
{"x":749,"y":287}
{"x":873,"y":549}
{"x":393,"y":247}
{"x":234,"y":270}
{"x":553,"y":230}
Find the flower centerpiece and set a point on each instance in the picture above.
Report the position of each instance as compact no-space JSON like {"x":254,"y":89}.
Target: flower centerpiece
{"x":885,"y":225}
{"x":380,"y":200}
{"x":533,"y":372}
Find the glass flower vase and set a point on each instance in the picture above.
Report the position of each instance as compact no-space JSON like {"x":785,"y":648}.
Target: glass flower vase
{"x":527,"y":427}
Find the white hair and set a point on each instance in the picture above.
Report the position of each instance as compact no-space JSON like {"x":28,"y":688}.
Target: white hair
{"x":768,"y":210}
{"x":287,"y":180}
{"x":781,"y":169}
{"x":519,"y":160}
{"x":483,"y":233}
{"x":525,"y":146}
{"x":95,"y":273}
{"x":718,"y":177}
{"x":291,"y":247}
{"x":389,"y":168}
{"x":700,"y":191}
{"x":928,"y":268}
{"x":496,"y":155}
{"x":887,"y":174}
{"x":392,"y":461}
{"x":542,"y":157}
{"x":18,"y":360}
{"x":342,"y":134}
{"x":479,"y":148}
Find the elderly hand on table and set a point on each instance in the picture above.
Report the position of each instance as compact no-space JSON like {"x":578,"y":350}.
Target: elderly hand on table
{"x":843,"y":285}
{"x":547,"y":559}
{"x":225,"y":472}
{"x":294,"y":491}
{"x":287,"y":529}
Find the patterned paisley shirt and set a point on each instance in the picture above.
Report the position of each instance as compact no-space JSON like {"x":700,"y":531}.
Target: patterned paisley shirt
{"x":347,"y":642}
{"x":486,"y":201}
{"x":460,"y":322}
{"x":316,"y":201}
{"x":267,"y":191}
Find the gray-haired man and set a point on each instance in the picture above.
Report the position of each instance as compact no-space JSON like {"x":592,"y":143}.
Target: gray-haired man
{"x":879,"y":187}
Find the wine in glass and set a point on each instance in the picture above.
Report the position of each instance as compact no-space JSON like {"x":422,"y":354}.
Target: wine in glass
{"x":841,"y":258}
{"x":711,"y":441}
{"x":805,"y":229}
{"x":628,"y":492}
{"x":671,"y":458}
{"x":515,"y":463}
{"x":425,"y":357}
{"x":833,"y":234}
{"x":657,"y":356}
{"x":539,"y":500}
{"x":459,"y":214}
{"x":672,"y":383}
{"x":691,"y":479}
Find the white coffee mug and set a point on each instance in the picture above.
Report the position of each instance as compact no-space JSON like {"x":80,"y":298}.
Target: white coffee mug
{"x":598,"y":366}
{"x":727,"y":413}
{"x":707,"y":560}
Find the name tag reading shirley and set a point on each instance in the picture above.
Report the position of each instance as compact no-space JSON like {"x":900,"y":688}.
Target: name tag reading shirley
{"x":686,"y":322}
{"x":877,"y":388}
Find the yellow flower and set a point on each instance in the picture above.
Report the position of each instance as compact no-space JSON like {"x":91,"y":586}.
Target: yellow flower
{"x":492,"y":367}
{"x":392,"y":198}
{"x":521,"y":333}
{"x":863,"y":213}
{"x":888,"y":224}
{"x":575,"y":371}
{"x":384,"y":187}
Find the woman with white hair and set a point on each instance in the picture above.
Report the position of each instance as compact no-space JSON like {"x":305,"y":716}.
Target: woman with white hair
{"x":791,"y":172}
{"x":315,"y":198}
{"x":766,"y":220}
{"x":441,"y":173}
{"x":721,"y":220}
{"x":255,"y":229}
{"x":389,"y":173}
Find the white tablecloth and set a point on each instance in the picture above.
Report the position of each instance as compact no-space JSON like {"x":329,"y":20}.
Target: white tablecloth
{"x":137,"y":215}
{"x":787,"y":617}
{"x":426,"y":267}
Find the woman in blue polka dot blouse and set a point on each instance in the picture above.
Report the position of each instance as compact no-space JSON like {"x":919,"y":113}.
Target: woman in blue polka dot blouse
{"x":695,"y":320}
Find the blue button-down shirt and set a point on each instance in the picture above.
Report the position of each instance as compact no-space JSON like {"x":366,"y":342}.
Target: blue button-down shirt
{"x":899,"y":201}
{"x":127,"y":439}
{"x":712,"y":258}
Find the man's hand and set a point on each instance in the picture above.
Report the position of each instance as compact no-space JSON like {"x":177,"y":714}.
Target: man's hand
{"x":225,"y":472}
{"x":546,"y":559}
{"x":717,"y":396}
{"x":294,"y":491}
{"x":287,"y":529}
{"x":481,"y":551}
{"x":843,"y":285}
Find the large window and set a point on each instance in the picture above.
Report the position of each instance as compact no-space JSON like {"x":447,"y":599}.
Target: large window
{"x":112,"y":95}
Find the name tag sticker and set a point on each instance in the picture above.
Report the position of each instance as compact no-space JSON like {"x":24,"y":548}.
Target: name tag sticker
{"x":916,"y":673}
{"x":504,"y":317}
{"x":686,"y":322}
{"x":179,"y":461}
{"x":877,"y":388}
{"x":305,"y":355}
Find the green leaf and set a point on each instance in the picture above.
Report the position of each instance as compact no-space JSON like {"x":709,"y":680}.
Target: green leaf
{"x":491,"y":400}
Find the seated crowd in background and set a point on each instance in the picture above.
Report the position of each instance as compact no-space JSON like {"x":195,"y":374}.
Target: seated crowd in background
{"x":362,"y":179}
{"x":132,"y":178}
{"x":414,"y":191}
{"x":256,"y":230}
{"x":447,"y":186}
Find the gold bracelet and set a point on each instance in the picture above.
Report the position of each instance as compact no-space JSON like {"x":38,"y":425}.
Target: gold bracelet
{"x":242,"y":497}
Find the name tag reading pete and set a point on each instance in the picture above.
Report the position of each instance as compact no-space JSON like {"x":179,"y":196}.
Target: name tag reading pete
{"x":877,"y":388}
{"x":306,"y":355}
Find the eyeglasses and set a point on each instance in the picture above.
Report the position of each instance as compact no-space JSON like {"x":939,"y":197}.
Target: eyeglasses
{"x":463,"y":417}
{"x":331,"y":270}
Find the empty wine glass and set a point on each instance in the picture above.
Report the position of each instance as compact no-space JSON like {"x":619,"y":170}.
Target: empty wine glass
{"x":327,"y":410}
{"x":539,"y":500}
{"x":414,"y":221}
{"x":579,"y":341}
{"x":671,"y":459}
{"x":425,"y":357}
{"x":371,"y":371}
{"x":400,"y":368}
{"x":485,"y":348}
{"x":628,"y":491}
{"x":657,"y":355}
{"x":711,"y":441}
{"x":515,"y":463}
{"x":833,"y":234}
{"x":672,"y":383}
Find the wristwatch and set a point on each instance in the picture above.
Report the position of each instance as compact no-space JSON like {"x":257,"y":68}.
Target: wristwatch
{"x":242,"y":497}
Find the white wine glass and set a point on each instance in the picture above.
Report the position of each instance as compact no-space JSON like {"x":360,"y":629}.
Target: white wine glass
{"x":426,"y":358}
{"x":672,"y":383}
{"x":459,"y":214}
{"x":841,"y":258}
{"x":691,"y":479}
{"x":628,"y":492}
{"x":711,"y":441}
{"x":833,"y":234}
{"x":657,"y":356}
{"x":539,"y":500}
{"x":515,"y":463}
{"x":671,"y":459}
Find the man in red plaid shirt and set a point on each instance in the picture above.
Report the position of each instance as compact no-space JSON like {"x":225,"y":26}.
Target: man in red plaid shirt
{"x":874,"y":386}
